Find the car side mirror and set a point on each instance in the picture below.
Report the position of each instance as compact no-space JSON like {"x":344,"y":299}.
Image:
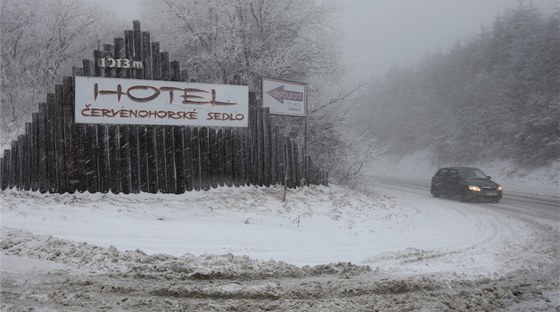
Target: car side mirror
{"x":488,"y":177}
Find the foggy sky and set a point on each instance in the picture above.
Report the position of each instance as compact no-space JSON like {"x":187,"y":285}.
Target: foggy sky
{"x":378,"y":34}
{"x":382,"y":33}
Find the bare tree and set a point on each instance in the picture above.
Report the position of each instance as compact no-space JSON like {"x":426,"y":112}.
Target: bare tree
{"x":41,"y":41}
{"x":292,"y":39}
{"x":218,"y":39}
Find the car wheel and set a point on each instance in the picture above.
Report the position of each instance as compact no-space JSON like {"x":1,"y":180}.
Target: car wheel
{"x":434,"y":192}
{"x":464,"y":197}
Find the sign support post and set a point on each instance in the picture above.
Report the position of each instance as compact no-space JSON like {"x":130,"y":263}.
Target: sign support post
{"x":305,"y":151}
{"x":287,"y":98}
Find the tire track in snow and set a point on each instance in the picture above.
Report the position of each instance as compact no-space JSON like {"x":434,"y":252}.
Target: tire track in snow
{"x":499,"y":244}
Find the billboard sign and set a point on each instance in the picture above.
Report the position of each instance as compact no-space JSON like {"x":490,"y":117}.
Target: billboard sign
{"x":154,"y":102}
{"x":285,"y":97}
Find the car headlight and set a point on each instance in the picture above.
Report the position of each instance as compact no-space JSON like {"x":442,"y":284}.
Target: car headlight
{"x":500,"y":188}
{"x":474,"y":188}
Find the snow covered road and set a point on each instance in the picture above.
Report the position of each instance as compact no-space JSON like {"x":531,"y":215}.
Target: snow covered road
{"x":545,"y":208}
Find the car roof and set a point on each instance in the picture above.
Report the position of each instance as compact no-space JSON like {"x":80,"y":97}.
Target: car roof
{"x":457,"y":168}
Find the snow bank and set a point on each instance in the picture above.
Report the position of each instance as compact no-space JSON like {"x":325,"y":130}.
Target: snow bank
{"x":315,"y":225}
{"x":97,"y":259}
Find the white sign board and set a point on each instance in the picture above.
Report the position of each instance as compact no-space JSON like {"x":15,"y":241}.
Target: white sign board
{"x":285,"y":97}
{"x":154,"y":102}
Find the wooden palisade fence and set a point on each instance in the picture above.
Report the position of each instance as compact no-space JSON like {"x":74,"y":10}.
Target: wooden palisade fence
{"x":56,"y":155}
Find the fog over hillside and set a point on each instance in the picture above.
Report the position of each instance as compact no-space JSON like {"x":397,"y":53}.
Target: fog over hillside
{"x":493,"y":96}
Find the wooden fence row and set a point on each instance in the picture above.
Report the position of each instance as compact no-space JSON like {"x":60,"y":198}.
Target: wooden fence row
{"x":56,"y":155}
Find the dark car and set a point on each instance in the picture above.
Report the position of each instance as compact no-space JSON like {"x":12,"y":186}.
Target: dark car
{"x":466,"y":184}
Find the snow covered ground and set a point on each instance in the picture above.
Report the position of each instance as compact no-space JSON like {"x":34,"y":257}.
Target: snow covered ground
{"x":249,"y":232}
{"x":315,"y":225}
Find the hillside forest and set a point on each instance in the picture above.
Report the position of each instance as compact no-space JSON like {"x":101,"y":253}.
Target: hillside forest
{"x":495,"y":96}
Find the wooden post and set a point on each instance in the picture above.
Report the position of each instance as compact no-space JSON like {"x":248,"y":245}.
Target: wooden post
{"x":237,"y":158}
{"x":288,"y":173}
{"x":28,"y":148}
{"x":138,"y":49}
{"x":175,"y":71}
{"x":156,"y":61}
{"x":61,"y":178}
{"x":2,"y":174}
{"x":281,"y":159}
{"x":42,"y":142}
{"x":147,"y":55}
{"x":97,"y":71}
{"x":8,"y":163}
{"x":5,"y":176}
{"x":19,"y":162}
{"x":108,"y":52}
{"x":92,"y":163}
{"x":118,"y":53}
{"x":273,"y":157}
{"x":260,"y":147}
{"x":228,"y":144}
{"x":248,"y":141}
{"x":13,"y":166}
{"x":81,"y":163}
{"x":307,"y":160}
{"x":220,"y":159}
{"x":204,"y":159}
{"x":169,"y":136}
{"x":161,"y":165}
{"x":147,"y":144}
{"x":68,"y":123}
{"x":88,"y":67}
{"x":196,"y":159}
{"x":103,"y":158}
{"x":78,"y":134}
{"x":129,"y":51}
{"x":114,"y":159}
{"x":188,"y":160}
{"x":184,"y":75}
{"x":171,"y":180}
{"x":141,"y":152}
{"x":213,"y":146}
{"x":294,"y":162}
{"x":179,"y":159}
{"x":165,"y":67}
{"x":124,"y":155}
{"x":138,"y":164}
{"x":266,"y":146}
{"x":51,"y":138}
{"x":153,"y":160}
{"x":252,"y":164}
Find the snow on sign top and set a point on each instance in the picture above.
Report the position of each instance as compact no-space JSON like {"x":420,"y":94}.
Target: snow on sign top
{"x":153,"y":102}
{"x":285,"y":97}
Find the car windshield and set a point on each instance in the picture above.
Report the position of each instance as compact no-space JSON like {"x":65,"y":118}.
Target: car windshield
{"x":471,"y":173}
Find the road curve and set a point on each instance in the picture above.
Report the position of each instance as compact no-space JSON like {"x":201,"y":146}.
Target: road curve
{"x":513,"y":203}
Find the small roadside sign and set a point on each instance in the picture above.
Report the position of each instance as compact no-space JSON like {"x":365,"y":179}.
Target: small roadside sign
{"x":285,"y":97}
